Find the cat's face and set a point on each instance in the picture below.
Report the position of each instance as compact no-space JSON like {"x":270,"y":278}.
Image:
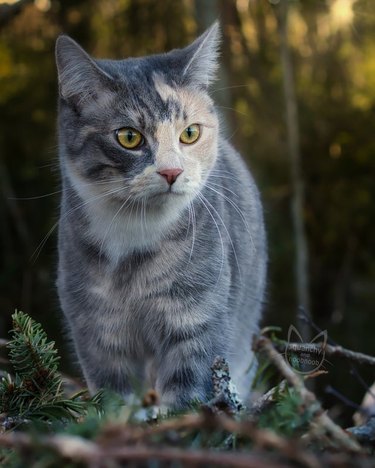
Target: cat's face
{"x":138,"y":130}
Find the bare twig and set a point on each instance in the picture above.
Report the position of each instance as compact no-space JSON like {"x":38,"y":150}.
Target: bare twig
{"x":119,"y":442}
{"x":266,"y":400}
{"x":116,"y":435}
{"x":331,"y":350}
{"x":78,"y":449}
{"x":320,"y":421}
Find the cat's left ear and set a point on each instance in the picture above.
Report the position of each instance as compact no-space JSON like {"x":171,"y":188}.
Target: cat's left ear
{"x":80,"y":78}
{"x":201,"y":58}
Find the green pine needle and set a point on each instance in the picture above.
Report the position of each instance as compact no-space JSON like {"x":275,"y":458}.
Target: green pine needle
{"x":35,"y":391}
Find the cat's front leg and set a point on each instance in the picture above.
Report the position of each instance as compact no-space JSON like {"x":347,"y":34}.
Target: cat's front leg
{"x":185,"y":375}
{"x":102,"y":369}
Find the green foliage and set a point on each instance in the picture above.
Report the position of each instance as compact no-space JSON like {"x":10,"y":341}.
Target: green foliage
{"x":35,"y":390}
{"x":74,"y":432}
{"x":287,"y":417}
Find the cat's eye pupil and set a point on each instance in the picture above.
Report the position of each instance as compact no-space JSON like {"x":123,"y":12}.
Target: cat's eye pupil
{"x":130,"y":136}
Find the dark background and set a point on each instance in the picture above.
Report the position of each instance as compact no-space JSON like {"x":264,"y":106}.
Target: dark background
{"x":332,"y":51}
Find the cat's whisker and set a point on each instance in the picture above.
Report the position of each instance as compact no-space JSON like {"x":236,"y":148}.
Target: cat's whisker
{"x":192,"y":221}
{"x":234,"y":110}
{"x":54,"y":164}
{"x":237,"y":209}
{"x":109,"y":229}
{"x":221,"y":171}
{"x":223,"y":188}
{"x":110,"y":181}
{"x":189,"y":221}
{"x":221,"y":174}
{"x":143,"y":215}
{"x":229,"y":138}
{"x":138,"y":204}
{"x":227,"y":232}
{"x":203,"y":201}
{"x":194,"y":231}
{"x":39,"y":248}
{"x":229,"y":87}
{"x":37,"y":197}
{"x":130,"y":217}
{"x":37,"y":251}
{"x":89,"y":184}
{"x":222,"y":177}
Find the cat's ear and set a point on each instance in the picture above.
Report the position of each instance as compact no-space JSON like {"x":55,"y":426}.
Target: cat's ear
{"x":201,"y":57}
{"x":80,"y":78}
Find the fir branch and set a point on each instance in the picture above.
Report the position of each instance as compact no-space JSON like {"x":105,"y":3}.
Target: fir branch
{"x":35,"y":391}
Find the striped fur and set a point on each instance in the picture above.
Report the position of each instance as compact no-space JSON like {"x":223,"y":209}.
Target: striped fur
{"x":155,"y":280}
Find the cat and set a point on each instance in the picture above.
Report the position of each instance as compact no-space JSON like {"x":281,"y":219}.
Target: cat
{"x":162,"y":246}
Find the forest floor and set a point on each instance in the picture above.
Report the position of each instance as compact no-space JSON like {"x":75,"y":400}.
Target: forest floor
{"x":41,"y":427}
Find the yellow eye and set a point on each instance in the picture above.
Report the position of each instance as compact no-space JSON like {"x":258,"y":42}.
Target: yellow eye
{"x":129,"y":138}
{"x":190,"y":134}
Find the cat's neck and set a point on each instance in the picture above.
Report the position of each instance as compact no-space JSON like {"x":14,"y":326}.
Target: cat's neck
{"x":139,"y":228}
{"x":120,"y":230}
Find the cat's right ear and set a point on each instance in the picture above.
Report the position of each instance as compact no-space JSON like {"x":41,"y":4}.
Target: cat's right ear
{"x":80,"y":78}
{"x":202,"y":57}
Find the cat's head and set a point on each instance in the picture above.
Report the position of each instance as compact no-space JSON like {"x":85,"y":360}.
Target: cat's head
{"x":139,"y":129}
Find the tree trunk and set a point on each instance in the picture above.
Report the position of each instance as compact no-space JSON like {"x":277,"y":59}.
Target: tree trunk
{"x":206,"y":13}
{"x":292,"y":124}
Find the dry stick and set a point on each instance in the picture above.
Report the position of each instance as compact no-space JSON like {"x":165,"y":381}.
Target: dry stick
{"x":259,"y":405}
{"x":202,"y":457}
{"x":136,"y":434}
{"x":331,"y":350}
{"x":118,"y":435}
{"x":266,"y":400}
{"x":267,"y":438}
{"x":320,"y":418}
{"x":78,"y":449}
{"x":115,"y":440}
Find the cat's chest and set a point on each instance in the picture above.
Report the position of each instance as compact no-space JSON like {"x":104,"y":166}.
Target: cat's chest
{"x":133,"y":308}
{"x":135,"y":284}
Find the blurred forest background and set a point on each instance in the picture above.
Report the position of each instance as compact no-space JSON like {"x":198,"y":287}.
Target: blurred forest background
{"x":298,"y":98}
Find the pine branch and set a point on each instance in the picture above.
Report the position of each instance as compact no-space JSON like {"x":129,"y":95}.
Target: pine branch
{"x":33,"y":357}
{"x":35,"y":391}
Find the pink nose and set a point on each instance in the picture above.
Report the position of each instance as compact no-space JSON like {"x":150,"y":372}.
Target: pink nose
{"x":170,"y":174}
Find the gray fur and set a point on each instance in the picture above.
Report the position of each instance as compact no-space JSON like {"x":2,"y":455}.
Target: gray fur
{"x":155,"y":280}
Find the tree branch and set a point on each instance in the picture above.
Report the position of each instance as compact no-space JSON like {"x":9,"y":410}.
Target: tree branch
{"x":320,"y":421}
{"x":78,"y":449}
{"x":331,"y":350}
